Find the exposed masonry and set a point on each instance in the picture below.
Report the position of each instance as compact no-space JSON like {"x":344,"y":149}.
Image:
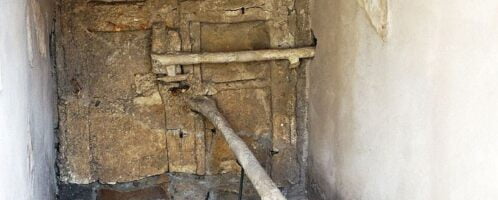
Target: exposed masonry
{"x":124,"y":118}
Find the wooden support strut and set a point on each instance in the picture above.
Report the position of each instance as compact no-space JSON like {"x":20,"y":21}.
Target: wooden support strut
{"x":293,"y":55}
{"x":265,"y":187}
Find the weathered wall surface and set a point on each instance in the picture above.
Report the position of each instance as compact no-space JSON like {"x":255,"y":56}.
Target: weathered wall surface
{"x":27,"y":101}
{"x":123,"y":118}
{"x":411,"y":117}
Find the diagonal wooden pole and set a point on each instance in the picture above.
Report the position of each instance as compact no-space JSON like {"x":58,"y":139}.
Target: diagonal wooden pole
{"x":265,"y":187}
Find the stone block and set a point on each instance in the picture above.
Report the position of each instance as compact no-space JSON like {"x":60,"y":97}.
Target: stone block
{"x":252,"y":122}
{"x":234,"y":37}
{"x":185,"y":131}
{"x":127,"y":149}
{"x":152,"y":193}
{"x":285,"y":168}
{"x":75,"y":159}
{"x":129,"y":15}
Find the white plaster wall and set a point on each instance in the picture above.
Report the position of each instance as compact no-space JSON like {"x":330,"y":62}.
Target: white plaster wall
{"x":27,"y":154}
{"x":411,"y":117}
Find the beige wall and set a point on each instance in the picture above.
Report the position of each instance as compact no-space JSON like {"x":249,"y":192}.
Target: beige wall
{"x":411,"y":117}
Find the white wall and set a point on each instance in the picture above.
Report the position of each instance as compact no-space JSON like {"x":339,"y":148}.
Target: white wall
{"x":27,"y":154}
{"x":412,"y":117}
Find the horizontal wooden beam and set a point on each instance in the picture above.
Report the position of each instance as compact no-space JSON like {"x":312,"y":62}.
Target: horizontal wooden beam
{"x":293,"y":55}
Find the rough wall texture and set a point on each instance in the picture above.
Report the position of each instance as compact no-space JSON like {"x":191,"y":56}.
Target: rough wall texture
{"x":27,"y":100}
{"x":119,"y":123}
{"x":412,"y":117}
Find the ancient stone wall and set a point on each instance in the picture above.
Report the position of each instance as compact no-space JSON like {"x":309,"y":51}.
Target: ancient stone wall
{"x":124,"y":117}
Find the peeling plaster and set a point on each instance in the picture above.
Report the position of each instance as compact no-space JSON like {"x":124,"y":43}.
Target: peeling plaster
{"x":37,"y":33}
{"x":378,"y":13}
